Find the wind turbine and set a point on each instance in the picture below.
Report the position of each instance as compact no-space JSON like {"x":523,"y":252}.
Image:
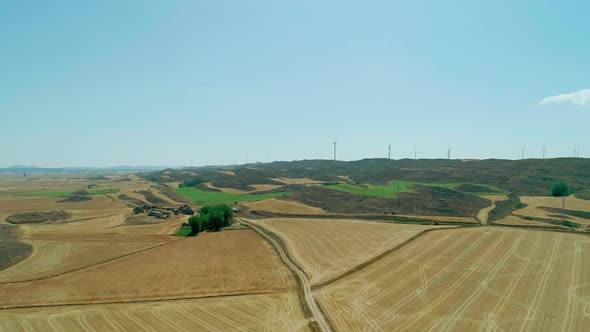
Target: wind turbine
{"x":449,"y":153}
{"x":389,"y":151}
{"x":543,"y":152}
{"x":334,"y":149}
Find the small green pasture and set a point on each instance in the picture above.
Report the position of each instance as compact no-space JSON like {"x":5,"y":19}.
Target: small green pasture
{"x":66,"y":194}
{"x":392,"y":188}
{"x":184,"y":231}
{"x":202,"y":197}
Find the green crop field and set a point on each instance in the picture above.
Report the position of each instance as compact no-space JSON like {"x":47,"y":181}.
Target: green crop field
{"x":393,"y":187}
{"x":65,"y":194}
{"x":202,"y":197}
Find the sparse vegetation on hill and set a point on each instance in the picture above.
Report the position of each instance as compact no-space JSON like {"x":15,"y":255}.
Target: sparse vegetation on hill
{"x":522,"y":177}
{"x":35,"y":217}
{"x":131,"y":200}
{"x":424,"y":200}
{"x":505,"y":208}
{"x":151,"y":198}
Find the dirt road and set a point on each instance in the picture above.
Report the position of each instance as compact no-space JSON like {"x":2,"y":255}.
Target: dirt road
{"x":483,"y":214}
{"x":315,"y":311}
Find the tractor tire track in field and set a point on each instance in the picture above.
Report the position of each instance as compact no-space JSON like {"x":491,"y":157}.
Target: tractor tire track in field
{"x":164,"y":299}
{"x":311,"y":306}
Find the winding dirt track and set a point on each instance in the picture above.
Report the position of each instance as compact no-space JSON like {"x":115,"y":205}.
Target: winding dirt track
{"x":483,"y":214}
{"x":314,"y":309}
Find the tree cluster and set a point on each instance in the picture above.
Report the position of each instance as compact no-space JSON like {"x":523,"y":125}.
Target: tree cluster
{"x":189,"y":183}
{"x":211,"y":218}
{"x":560,"y":189}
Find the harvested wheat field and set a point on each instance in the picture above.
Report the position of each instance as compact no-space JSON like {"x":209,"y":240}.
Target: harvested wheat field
{"x":267,"y":312}
{"x":517,"y":221}
{"x":281,"y":206}
{"x":326,"y":248}
{"x":63,"y":254}
{"x":257,"y":188}
{"x":222,"y":263}
{"x":535,"y":204}
{"x":470,"y":279}
{"x":304,"y":181}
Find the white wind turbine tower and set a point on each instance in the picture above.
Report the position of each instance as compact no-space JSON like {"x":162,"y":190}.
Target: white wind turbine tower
{"x":334,"y":149}
{"x":389,"y":151}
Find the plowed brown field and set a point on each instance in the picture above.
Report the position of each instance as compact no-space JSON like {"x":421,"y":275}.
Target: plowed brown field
{"x":473,"y":279}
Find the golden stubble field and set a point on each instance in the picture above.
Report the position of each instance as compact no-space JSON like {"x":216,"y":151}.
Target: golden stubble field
{"x":223,"y":263}
{"x":534,"y":204}
{"x":471,"y":279}
{"x":282,"y":206}
{"x":265,"y":312}
{"x":94,"y":271}
{"x":326,"y":248}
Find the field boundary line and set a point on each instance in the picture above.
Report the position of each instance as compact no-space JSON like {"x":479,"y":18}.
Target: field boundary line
{"x":91,"y":265}
{"x":164,"y":299}
{"x":392,"y":219}
{"x":310,"y":305}
{"x":381,"y":256}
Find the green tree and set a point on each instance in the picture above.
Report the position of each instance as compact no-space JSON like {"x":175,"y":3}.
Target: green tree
{"x":216,"y":220}
{"x":560,"y":189}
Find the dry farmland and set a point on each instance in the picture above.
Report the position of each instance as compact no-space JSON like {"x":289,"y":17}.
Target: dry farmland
{"x":326,"y":248}
{"x":535,"y":204}
{"x":472,"y":279}
{"x":257,"y":188}
{"x":97,"y":266}
{"x":225,"y":263}
{"x":273,"y":312}
{"x":282,"y":206}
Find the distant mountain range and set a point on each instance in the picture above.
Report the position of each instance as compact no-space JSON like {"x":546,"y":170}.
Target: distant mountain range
{"x":80,"y":169}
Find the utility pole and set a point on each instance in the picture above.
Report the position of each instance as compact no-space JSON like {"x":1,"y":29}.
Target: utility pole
{"x":389,"y":151}
{"x":334,"y":150}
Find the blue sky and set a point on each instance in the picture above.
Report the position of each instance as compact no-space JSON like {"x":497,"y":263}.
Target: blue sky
{"x":166,"y":82}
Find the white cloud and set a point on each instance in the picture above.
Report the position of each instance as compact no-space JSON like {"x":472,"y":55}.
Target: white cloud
{"x":580,"y":98}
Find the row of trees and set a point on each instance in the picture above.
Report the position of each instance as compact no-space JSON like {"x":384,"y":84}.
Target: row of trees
{"x":211,"y":218}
